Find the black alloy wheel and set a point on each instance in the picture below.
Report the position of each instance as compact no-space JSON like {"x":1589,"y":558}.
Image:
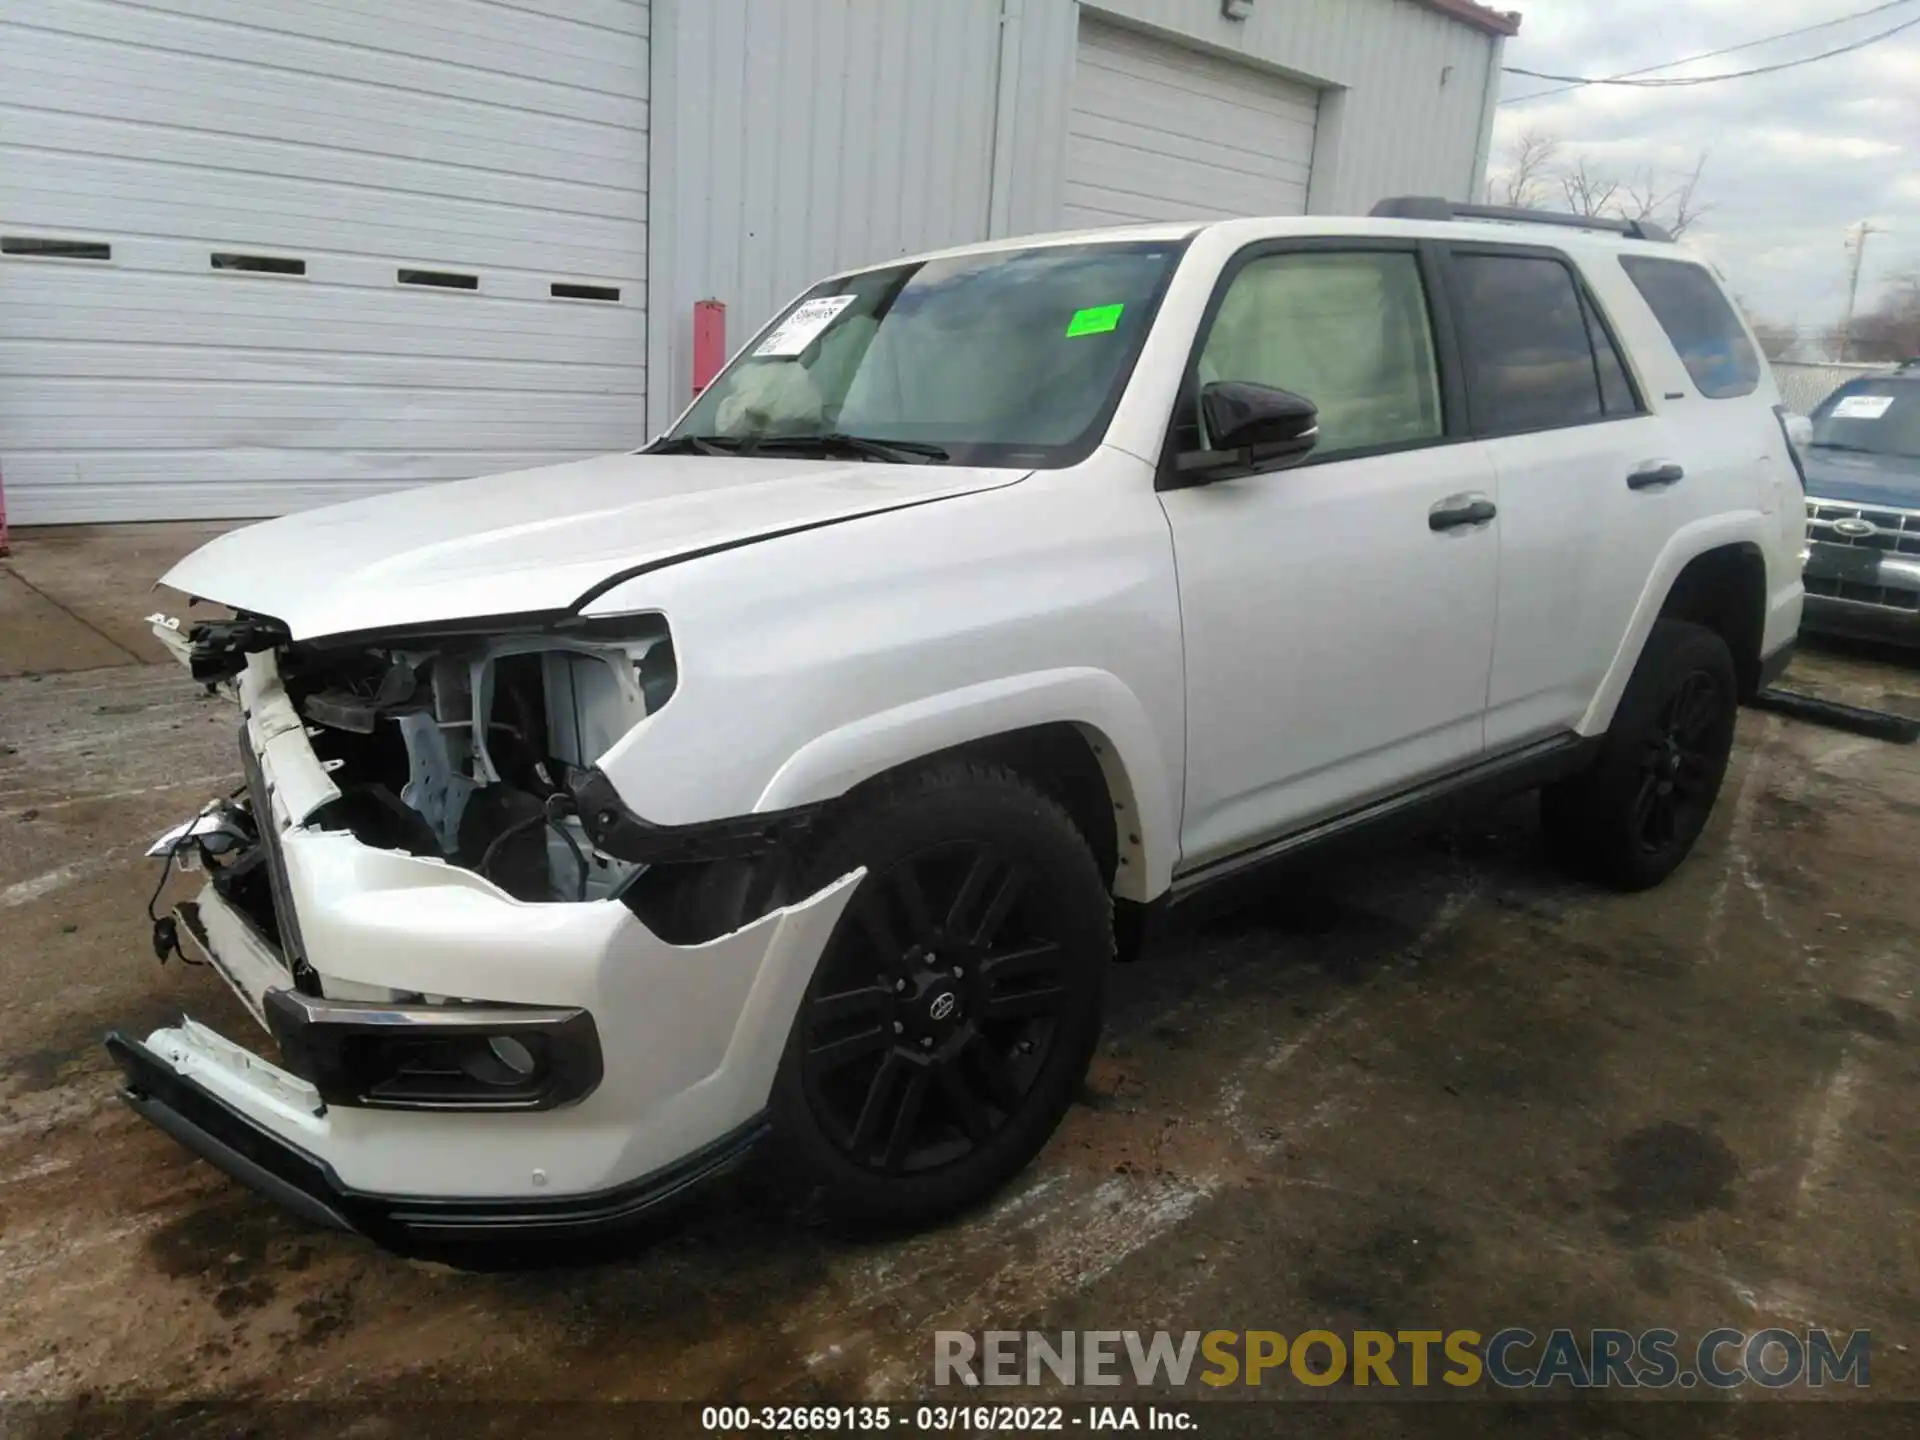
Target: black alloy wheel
{"x":956,"y":1006}
{"x":1630,"y":819}
{"x":1678,"y":774}
{"x":935,"y":1011}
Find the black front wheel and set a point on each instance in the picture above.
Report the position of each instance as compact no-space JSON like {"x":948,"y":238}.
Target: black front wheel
{"x":1632,"y":818}
{"x":957,"y":1004}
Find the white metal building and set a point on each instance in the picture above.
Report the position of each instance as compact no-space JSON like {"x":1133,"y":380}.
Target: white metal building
{"x":261,"y":254}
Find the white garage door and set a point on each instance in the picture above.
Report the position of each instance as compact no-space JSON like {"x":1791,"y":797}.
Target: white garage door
{"x":257,"y":255}
{"x":1159,"y":132}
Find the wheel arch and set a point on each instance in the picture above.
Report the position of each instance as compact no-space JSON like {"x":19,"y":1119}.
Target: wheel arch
{"x":1725,"y":590}
{"x":1712,"y":573}
{"x":1078,"y":733}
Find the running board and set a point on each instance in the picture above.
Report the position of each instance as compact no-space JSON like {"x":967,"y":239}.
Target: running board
{"x":1408,"y":811}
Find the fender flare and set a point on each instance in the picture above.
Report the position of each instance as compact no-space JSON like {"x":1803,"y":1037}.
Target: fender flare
{"x":1094,"y":701}
{"x":1683,"y":547}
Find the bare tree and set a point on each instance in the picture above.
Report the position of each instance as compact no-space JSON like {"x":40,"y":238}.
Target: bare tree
{"x":1588,"y":191}
{"x":1646,"y":197}
{"x":1534,"y":176}
{"x":1891,"y":329}
{"x":1524,"y":181}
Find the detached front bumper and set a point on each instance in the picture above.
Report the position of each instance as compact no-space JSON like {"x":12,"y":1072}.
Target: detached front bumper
{"x":689,"y":1038}
{"x":159,"y":1089}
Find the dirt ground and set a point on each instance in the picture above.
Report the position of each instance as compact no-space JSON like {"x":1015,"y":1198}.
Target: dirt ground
{"x":1439,"y":1085}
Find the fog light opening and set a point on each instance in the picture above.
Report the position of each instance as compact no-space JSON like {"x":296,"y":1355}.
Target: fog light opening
{"x":514,"y":1055}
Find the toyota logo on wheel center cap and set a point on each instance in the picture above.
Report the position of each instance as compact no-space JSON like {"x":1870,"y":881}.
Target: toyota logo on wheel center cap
{"x":942,"y":1006}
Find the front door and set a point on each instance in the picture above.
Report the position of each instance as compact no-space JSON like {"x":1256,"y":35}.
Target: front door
{"x":1338,"y":617}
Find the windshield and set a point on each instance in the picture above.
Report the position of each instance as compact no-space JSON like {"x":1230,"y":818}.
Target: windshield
{"x":1881,"y":417}
{"x":1011,"y":358}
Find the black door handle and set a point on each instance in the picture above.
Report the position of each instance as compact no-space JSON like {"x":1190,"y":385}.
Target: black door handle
{"x":1452,"y":517}
{"x":1655,"y":475}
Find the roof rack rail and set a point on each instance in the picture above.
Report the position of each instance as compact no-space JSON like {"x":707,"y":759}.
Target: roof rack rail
{"x":1432,"y":207}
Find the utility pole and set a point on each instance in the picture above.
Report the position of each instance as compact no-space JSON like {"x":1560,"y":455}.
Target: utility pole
{"x":1858,"y":244}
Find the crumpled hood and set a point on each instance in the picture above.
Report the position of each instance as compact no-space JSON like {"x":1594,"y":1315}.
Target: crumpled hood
{"x":535,"y":541}
{"x":1854,"y":478}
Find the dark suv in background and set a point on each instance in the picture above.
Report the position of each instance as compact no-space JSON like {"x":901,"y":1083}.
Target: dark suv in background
{"x":1863,"y":509}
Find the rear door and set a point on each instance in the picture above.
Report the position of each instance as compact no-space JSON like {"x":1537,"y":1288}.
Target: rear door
{"x":1566,"y":430}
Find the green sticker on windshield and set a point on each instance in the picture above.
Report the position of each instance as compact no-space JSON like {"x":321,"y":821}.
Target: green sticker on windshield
{"x":1095,"y":321}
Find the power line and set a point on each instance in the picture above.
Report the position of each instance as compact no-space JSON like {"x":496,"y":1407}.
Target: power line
{"x":1625,"y":79}
{"x":1726,"y":50}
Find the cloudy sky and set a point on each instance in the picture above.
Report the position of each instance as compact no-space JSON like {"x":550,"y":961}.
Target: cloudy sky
{"x":1793,"y":159}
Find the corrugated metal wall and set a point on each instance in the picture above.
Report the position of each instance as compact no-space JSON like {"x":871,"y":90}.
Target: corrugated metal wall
{"x":1407,"y":107}
{"x":793,"y":137}
{"x":802,"y":135}
{"x":357,"y":146}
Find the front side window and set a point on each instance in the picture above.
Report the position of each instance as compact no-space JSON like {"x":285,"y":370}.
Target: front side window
{"x":1349,"y":331}
{"x":1010,"y":358}
{"x":1530,"y":360}
{"x":1698,"y":319}
{"x":1871,"y":417}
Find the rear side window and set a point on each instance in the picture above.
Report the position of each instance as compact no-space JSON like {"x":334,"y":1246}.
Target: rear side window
{"x":1700,"y":322}
{"x":1530,"y":359}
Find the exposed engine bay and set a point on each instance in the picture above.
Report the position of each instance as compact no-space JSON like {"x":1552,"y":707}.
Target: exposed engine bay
{"x":470,"y":749}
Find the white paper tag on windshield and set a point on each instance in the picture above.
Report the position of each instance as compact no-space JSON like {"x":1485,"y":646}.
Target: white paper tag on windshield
{"x":799,"y":330}
{"x":1862,"y":407}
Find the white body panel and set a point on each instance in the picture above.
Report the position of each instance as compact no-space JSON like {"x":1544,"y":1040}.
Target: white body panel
{"x":1265,"y":562}
{"x":1576,"y":547}
{"x":504,"y":143}
{"x":1050,"y":600}
{"x":533,"y":541}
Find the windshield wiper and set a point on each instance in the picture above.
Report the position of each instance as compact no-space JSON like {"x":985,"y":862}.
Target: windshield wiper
{"x":1856,"y":449}
{"x":895,"y":452}
{"x":694,"y":445}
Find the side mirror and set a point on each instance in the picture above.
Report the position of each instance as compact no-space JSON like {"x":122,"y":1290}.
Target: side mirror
{"x":1252,"y":428}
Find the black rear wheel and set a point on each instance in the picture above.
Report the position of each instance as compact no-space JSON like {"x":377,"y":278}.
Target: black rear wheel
{"x":957,"y":1003}
{"x":1634,"y":816}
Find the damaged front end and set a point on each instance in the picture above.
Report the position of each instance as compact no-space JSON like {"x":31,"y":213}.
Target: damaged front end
{"x":494,"y":1009}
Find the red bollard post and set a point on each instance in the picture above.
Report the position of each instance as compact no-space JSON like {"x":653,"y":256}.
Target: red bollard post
{"x":709,"y":342}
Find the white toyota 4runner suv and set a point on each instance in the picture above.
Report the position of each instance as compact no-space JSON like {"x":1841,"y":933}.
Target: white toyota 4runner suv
{"x":790,"y":780}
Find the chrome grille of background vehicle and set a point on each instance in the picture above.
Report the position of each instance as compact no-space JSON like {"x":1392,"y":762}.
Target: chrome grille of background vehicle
{"x":1856,"y":593}
{"x":1898,"y":531}
{"x":260,"y":802}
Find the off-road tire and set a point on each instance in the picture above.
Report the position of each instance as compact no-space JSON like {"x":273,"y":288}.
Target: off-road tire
{"x":1665,"y":756}
{"x":919,"y":833}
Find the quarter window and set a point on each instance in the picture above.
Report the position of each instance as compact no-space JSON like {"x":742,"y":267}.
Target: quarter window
{"x":1531,"y":363}
{"x":1694,"y":311}
{"x":1616,"y":391}
{"x":1349,"y":331}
